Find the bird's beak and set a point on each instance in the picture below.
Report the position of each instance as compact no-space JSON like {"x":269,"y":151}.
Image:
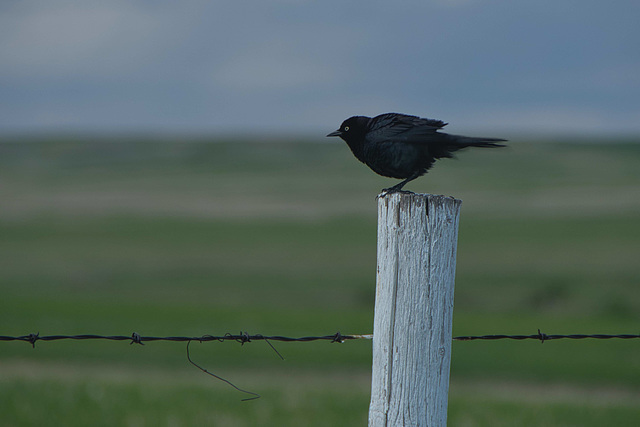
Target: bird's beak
{"x":336,"y":133}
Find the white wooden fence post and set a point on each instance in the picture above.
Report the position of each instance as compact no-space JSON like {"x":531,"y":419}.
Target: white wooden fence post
{"x":417,"y":242}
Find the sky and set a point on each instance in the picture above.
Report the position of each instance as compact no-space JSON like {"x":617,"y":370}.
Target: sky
{"x":296,"y":66}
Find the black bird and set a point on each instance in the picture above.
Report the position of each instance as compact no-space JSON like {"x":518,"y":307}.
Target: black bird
{"x":403,"y":146}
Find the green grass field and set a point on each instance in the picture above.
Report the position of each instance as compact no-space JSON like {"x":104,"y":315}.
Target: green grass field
{"x":192,"y":237}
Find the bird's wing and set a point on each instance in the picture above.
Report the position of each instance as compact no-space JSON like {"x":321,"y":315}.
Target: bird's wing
{"x":402,"y":127}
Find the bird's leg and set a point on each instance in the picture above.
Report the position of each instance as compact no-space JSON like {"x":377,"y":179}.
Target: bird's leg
{"x":398,"y":187}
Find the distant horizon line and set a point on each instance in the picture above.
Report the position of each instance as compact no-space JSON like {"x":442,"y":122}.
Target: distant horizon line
{"x":288,"y":136}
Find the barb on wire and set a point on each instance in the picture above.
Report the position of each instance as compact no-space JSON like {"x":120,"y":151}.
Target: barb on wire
{"x":136,"y":339}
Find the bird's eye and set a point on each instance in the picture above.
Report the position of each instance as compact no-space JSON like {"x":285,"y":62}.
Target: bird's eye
{"x":346,"y":128}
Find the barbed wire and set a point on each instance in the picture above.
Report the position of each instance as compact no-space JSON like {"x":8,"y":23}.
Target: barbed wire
{"x":542,"y":337}
{"x":242,"y":338}
{"x":135,"y":338}
{"x":245,"y":337}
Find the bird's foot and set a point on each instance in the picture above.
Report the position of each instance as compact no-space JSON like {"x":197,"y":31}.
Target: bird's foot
{"x":394,"y":189}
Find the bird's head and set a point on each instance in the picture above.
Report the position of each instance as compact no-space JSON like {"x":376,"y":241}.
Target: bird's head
{"x":352,"y":129}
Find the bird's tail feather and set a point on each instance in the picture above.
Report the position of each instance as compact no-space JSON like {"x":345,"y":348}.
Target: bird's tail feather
{"x":468,"y":141}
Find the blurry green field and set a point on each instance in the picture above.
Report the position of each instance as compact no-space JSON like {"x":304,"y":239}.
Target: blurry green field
{"x":199,"y":237}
